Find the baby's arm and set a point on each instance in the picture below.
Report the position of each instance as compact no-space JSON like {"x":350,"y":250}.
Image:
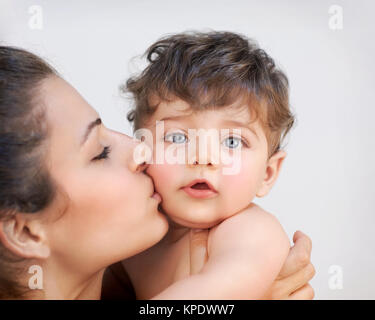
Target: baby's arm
{"x":246,"y":253}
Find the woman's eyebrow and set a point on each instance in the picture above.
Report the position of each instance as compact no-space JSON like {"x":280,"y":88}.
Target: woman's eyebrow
{"x":91,"y":126}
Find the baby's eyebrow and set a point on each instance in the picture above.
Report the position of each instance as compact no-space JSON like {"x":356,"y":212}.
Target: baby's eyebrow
{"x":224,"y":122}
{"x":180,"y":117}
{"x":240,"y":124}
{"x":170,"y":118}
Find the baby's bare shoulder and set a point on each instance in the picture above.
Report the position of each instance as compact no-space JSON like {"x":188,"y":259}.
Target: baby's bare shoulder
{"x":251,"y":226}
{"x":253,"y":214}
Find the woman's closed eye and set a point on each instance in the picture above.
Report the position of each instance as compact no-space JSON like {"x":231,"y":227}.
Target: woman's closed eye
{"x":103,"y":155}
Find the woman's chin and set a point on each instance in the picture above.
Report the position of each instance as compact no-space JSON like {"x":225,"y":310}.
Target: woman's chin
{"x":162,"y":224}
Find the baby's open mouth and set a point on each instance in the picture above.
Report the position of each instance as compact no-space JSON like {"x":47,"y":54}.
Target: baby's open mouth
{"x":200,"y":189}
{"x":200,"y":186}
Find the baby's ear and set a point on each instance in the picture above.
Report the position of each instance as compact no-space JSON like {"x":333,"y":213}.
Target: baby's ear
{"x":272,"y":172}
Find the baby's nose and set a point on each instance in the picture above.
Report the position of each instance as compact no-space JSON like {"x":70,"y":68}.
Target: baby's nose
{"x":208,"y":157}
{"x":195,"y":162}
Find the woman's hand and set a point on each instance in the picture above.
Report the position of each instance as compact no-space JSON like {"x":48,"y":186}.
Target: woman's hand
{"x":292,"y":281}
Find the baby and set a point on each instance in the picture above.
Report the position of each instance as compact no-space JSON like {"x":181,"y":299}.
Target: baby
{"x":222,"y":89}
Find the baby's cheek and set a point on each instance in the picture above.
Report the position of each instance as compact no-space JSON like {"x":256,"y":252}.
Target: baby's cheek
{"x":239,"y":190}
{"x":165,"y":177}
{"x":241,"y":181}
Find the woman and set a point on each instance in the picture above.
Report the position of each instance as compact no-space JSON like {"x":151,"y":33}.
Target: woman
{"x":72,"y":199}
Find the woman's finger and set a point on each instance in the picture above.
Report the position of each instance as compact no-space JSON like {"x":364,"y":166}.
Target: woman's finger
{"x":304,"y":293}
{"x":296,"y":281}
{"x":299,"y":234}
{"x":299,"y":255}
{"x":198,"y":249}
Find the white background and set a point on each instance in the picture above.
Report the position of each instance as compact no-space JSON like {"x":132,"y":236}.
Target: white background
{"x":326,"y":186}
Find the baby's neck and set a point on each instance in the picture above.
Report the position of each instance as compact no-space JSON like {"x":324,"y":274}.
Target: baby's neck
{"x":175,"y":232}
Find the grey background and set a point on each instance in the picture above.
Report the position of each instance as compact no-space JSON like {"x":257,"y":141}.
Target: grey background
{"x":326,"y":185}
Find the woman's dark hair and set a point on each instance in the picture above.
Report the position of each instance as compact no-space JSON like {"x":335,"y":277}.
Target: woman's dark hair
{"x":213,"y":69}
{"x":25,"y":186}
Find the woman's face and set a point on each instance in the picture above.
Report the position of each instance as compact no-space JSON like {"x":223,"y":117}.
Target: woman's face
{"x":110,"y":211}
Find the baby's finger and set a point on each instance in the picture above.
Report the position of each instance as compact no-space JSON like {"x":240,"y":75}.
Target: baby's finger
{"x":299,"y":255}
{"x":304,"y":293}
{"x":198,"y":249}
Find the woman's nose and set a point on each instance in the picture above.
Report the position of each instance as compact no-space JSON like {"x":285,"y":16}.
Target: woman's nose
{"x":140,"y":157}
{"x":142,"y":167}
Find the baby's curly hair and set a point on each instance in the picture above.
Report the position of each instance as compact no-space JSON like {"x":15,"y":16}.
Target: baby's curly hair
{"x":211,"y":70}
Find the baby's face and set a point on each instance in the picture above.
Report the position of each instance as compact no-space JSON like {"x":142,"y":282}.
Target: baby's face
{"x":198,"y":193}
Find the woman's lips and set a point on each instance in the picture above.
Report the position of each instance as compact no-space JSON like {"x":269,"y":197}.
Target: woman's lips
{"x":156,"y":196}
{"x":200,"y":189}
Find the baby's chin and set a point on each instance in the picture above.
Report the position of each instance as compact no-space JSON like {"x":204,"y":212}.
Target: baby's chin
{"x":197,"y":214}
{"x":196,"y":222}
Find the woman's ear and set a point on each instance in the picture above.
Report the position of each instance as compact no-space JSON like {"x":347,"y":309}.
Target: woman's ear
{"x":24,"y":237}
{"x":272,"y":172}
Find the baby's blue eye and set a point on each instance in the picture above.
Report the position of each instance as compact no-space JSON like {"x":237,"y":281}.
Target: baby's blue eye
{"x":176,"y":137}
{"x":232,"y":142}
